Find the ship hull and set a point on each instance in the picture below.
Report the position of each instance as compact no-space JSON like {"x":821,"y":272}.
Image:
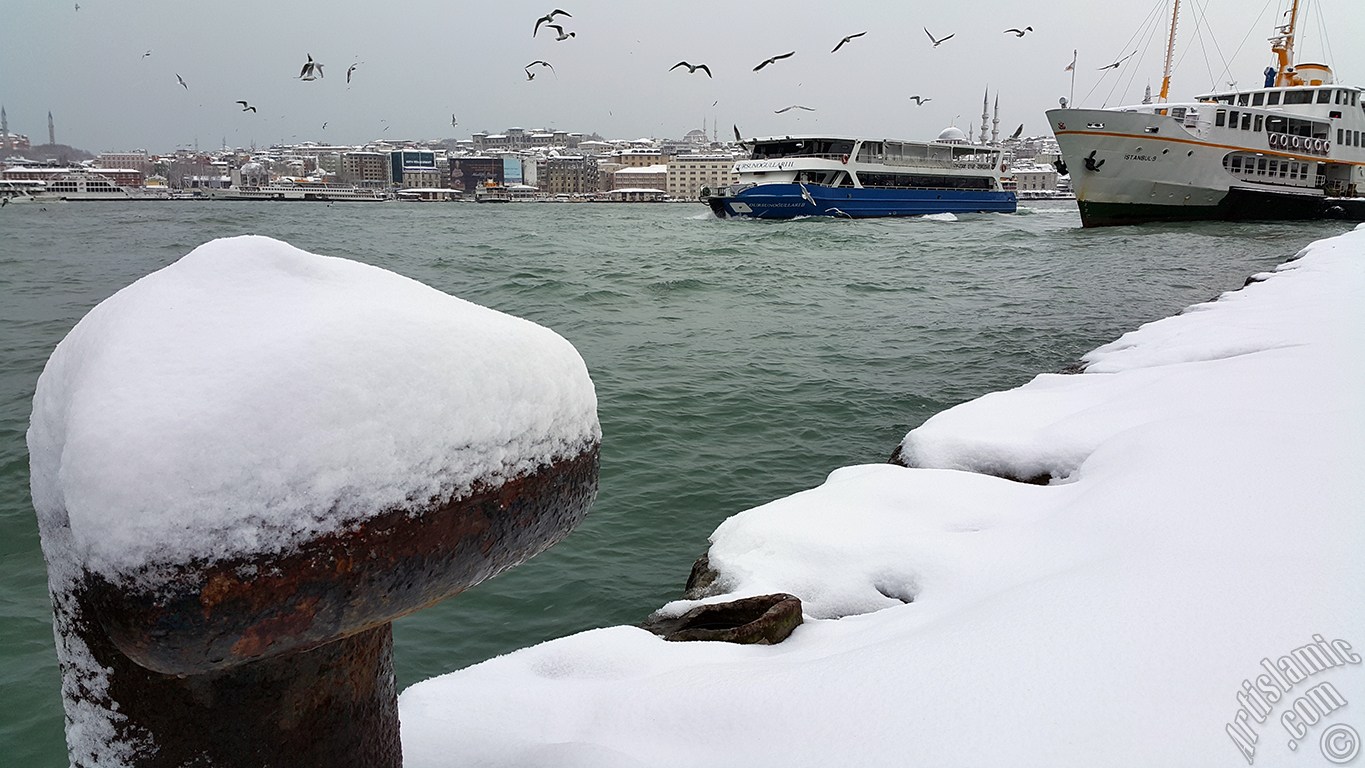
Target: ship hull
{"x":789,"y":201}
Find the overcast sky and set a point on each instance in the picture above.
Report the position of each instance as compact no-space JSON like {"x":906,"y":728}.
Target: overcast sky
{"x":419,"y":61}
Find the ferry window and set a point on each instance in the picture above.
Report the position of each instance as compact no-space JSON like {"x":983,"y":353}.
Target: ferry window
{"x":1260,"y":166}
{"x":1339,"y":139}
{"x":1236,"y":163}
{"x":1284,"y":169}
{"x":1232,"y":118}
{"x":1271,"y":167}
{"x":1257,"y":127}
{"x":1273,"y":98}
{"x":1324,"y":96}
{"x":1298,"y":97}
{"x":1242,"y":99}
{"x":1246,"y":121}
{"x":1221,"y":118}
{"x":1257,"y":99}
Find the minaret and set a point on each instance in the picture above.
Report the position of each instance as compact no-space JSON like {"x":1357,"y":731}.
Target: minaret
{"x":985,"y":114}
{"x":4,"y":131}
{"x":995,"y":121}
{"x":51,"y":132}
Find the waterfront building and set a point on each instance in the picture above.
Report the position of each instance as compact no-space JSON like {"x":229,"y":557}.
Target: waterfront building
{"x":137,"y":159}
{"x":409,"y":168}
{"x":570,"y":174}
{"x":640,"y":158}
{"x":1031,"y":179}
{"x":653,"y":177}
{"x":364,"y":169}
{"x":688,"y":175}
{"x":471,"y":173}
{"x":518,"y":139}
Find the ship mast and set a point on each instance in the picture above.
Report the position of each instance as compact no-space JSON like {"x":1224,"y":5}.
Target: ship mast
{"x":1170,"y":53}
{"x":1283,"y":47}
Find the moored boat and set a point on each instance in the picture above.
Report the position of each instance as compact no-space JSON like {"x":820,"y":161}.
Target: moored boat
{"x":1291,"y":149}
{"x":815,"y":175}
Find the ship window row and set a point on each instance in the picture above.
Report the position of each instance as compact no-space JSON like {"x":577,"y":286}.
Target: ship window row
{"x":1348,"y":138}
{"x":1247,"y":121}
{"x":1294,"y":96}
{"x":920,"y":181}
{"x":1268,"y":167}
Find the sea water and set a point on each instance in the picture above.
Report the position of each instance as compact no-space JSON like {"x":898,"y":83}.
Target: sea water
{"x":735,"y":362}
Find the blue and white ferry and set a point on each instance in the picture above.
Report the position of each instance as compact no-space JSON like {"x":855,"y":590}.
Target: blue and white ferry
{"x":815,"y":175}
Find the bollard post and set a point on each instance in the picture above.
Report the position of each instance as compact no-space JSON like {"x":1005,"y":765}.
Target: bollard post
{"x":279,"y":655}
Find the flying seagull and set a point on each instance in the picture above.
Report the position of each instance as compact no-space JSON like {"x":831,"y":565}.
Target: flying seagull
{"x":181,"y":80}
{"x":547,"y":18}
{"x":324,"y":125}
{"x":349,"y":70}
{"x":691,"y":68}
{"x":145,"y":55}
{"x":312,"y":70}
{"x":1116,"y":64}
{"x":845,"y":40}
{"x":561,"y":34}
{"x":738,"y":138}
{"x":248,"y":108}
{"x":1019,"y":32}
{"x":794,"y":106}
{"x":540,"y":63}
{"x":766,"y":62}
{"x":919,"y":100}
{"x":936,"y":41}
{"x":1017,"y":131}
{"x":453,"y":122}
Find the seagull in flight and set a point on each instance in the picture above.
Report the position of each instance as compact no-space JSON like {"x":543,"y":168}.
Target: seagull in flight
{"x":919,"y":100}
{"x":349,"y":70}
{"x":934,"y":40}
{"x":324,"y":125}
{"x":1019,"y":32}
{"x":794,"y":106}
{"x":145,"y":55}
{"x":538,"y":62}
{"x":738,"y":138}
{"x":312,"y":70}
{"x":453,"y":122}
{"x":1017,"y":131}
{"x":691,"y":68}
{"x":1116,"y":64}
{"x":248,"y":108}
{"x":845,"y":40}
{"x":561,"y":34}
{"x":766,"y":62}
{"x":548,"y":18}
{"x":181,"y":80}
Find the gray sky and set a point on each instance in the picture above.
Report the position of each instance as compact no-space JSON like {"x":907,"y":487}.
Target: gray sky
{"x":421,"y":60}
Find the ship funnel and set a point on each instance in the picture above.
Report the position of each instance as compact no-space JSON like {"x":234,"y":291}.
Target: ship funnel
{"x":1313,"y":74}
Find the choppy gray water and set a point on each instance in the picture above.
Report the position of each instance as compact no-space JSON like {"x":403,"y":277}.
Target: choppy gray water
{"x":735,"y":362}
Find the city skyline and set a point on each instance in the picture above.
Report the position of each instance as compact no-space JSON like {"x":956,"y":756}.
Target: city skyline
{"x":110,"y":72}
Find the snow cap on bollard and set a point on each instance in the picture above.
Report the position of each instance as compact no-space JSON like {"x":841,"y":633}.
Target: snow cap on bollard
{"x":257,"y":452}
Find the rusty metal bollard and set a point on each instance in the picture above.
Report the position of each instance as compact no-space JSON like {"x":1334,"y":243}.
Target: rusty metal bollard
{"x":282,"y":657}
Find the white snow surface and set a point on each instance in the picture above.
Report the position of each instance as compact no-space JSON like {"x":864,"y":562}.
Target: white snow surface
{"x":252,"y":394}
{"x":1207,"y":515}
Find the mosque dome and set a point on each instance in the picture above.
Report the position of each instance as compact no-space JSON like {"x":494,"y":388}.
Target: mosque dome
{"x":952,"y":134}
{"x":253,"y":168}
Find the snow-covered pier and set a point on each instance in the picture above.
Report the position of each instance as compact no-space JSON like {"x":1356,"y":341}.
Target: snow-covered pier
{"x":1180,"y":582}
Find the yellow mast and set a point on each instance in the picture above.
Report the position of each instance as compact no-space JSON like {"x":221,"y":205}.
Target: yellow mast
{"x":1170,"y":52}
{"x":1283,"y":47}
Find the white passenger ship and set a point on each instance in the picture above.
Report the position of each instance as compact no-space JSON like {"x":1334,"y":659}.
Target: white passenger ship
{"x":1292,"y":149}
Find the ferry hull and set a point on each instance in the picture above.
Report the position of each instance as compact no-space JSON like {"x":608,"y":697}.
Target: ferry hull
{"x":787,"y":201}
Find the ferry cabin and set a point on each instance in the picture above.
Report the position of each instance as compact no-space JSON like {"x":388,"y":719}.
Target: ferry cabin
{"x":1305,"y":137}
{"x":874,"y":164}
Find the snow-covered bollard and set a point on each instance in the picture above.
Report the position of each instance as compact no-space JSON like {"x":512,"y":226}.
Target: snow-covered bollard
{"x":247,"y":464}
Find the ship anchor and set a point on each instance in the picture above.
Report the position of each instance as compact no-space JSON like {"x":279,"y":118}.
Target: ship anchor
{"x":1090,"y":162}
